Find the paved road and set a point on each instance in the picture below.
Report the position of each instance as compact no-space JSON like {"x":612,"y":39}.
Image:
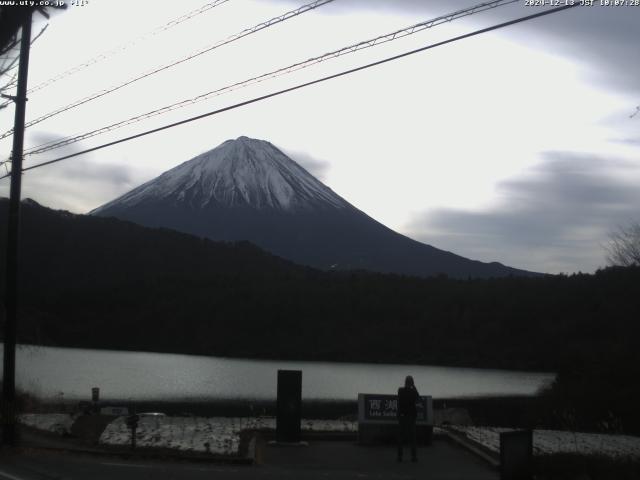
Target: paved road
{"x":440,"y":461}
{"x":320,"y":460}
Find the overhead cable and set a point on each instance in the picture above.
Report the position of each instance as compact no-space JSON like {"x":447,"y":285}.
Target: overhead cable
{"x":248,"y":31}
{"x":307,"y":84}
{"x":274,"y":74}
{"x":124,"y":46}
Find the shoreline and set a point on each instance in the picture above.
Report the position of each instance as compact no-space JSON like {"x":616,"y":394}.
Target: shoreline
{"x":510,"y":411}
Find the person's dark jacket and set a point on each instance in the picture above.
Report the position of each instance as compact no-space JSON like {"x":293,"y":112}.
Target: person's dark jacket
{"x":407,"y":399}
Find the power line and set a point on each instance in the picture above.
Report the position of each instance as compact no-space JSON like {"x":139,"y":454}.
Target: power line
{"x":306,"y":84}
{"x":275,"y":73}
{"x":124,"y":46}
{"x":246,"y":32}
{"x":121,"y":48}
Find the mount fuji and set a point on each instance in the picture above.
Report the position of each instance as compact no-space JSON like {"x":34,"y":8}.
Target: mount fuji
{"x":247,"y":189}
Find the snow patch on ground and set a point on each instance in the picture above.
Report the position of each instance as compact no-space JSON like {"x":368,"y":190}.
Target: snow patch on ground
{"x":328,"y":426}
{"x":58,"y":423}
{"x":547,"y":442}
{"x":217,"y":435}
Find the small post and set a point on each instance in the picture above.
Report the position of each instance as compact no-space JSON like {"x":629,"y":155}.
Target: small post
{"x":95,"y":399}
{"x":9,"y":423}
{"x":132,"y":423}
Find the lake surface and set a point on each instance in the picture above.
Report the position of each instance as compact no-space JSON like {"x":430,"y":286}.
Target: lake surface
{"x":46,"y":371}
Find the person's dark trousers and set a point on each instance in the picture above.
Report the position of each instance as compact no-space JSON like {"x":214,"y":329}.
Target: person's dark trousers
{"x":407,"y":432}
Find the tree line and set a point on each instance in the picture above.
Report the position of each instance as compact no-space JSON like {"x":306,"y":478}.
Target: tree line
{"x":104,"y":283}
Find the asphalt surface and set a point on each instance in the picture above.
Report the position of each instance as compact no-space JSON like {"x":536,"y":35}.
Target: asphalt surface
{"x":323,"y":459}
{"x":319,"y":460}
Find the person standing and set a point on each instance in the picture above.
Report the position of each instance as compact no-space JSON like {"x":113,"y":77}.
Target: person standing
{"x":408,"y":396}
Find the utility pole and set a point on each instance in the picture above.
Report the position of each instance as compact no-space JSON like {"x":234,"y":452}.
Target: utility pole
{"x":9,"y":427}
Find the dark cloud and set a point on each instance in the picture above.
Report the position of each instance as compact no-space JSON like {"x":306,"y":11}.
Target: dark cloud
{"x":316,"y":167}
{"x":78,"y":184}
{"x":627,"y":141}
{"x":602,"y":39}
{"x":84,"y":171}
{"x":554,"y":218}
{"x":78,"y":169}
{"x":38,"y":138}
{"x":62,"y":184}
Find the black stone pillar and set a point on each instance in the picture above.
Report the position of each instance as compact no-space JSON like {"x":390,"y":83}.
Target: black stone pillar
{"x":289,"y":405}
{"x":516,"y":454}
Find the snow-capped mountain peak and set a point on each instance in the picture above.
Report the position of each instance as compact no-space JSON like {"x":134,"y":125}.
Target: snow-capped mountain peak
{"x":240,"y":172}
{"x":248,"y":190}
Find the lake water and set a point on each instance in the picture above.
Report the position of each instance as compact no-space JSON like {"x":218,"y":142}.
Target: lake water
{"x":46,"y":372}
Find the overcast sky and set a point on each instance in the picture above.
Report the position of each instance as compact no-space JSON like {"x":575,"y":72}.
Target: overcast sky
{"x":517,"y":146}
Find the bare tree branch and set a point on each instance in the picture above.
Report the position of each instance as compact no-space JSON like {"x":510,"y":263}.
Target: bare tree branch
{"x":623,"y":248}
{"x":8,"y":68}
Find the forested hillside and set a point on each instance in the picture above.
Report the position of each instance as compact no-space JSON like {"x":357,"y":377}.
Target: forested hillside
{"x":104,"y":283}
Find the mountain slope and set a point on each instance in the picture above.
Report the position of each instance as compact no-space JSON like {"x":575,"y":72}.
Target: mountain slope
{"x":247,"y":189}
